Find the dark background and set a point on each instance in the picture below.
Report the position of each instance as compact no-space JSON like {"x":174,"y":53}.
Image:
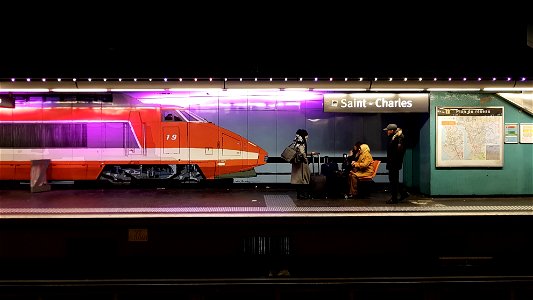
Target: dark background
{"x":92,"y":39}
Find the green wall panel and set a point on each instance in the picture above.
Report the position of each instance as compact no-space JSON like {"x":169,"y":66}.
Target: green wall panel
{"x":514,"y":178}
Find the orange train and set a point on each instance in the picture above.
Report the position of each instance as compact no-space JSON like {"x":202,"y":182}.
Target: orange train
{"x":121,"y":144}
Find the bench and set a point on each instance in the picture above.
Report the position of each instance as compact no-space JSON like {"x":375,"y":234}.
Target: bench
{"x":365,"y":182}
{"x":375,"y":163}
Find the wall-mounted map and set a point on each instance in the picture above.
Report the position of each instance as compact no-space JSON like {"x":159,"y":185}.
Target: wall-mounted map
{"x":469,"y":136}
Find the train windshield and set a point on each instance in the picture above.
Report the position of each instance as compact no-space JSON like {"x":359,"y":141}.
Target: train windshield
{"x":190,"y":116}
{"x":178,"y":115}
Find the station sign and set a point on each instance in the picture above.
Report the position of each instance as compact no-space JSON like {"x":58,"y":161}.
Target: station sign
{"x":377,"y":102}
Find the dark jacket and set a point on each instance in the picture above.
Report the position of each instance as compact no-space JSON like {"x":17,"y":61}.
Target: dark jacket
{"x":395,"y":150}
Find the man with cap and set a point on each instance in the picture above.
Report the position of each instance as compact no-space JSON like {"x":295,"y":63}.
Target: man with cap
{"x":395,"y":154}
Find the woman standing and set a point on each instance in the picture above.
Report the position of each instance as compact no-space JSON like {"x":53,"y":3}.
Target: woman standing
{"x":300,"y":173}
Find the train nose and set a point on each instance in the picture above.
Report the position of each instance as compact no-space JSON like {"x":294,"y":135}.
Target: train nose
{"x":262,"y":155}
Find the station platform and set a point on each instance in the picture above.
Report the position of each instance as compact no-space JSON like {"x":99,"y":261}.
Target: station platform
{"x":230,"y":241}
{"x":69,"y":201}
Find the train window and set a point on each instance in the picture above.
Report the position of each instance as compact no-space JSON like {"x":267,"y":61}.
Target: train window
{"x":118,"y":135}
{"x":110,"y":135}
{"x":191,"y":117}
{"x":65,"y":98}
{"x":171,"y":116}
{"x":48,"y":135}
{"x":67,"y":135}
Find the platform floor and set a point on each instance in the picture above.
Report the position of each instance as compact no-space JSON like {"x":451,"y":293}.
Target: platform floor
{"x":66,"y":201}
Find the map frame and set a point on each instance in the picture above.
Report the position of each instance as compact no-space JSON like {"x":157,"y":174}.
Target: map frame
{"x":457,"y":126}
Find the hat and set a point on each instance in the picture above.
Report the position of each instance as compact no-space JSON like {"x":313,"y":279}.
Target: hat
{"x":391,"y":127}
{"x":302,"y":132}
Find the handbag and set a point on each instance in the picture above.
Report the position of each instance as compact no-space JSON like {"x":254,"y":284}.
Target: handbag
{"x":289,"y":152}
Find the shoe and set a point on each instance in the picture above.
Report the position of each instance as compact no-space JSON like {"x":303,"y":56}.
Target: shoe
{"x":391,"y":201}
{"x":404,"y":196}
{"x":302,"y":196}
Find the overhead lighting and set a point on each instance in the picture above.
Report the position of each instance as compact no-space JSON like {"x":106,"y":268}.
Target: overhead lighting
{"x":194,"y":89}
{"x":396,"y":90}
{"x":453,"y":89}
{"x":514,"y":89}
{"x":79,"y":90}
{"x":341,"y":89}
{"x":26,"y":90}
{"x":137,"y":90}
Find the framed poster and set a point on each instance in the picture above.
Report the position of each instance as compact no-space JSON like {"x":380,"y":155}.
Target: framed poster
{"x":469,"y":136}
{"x":511,"y":133}
{"x":526,"y":133}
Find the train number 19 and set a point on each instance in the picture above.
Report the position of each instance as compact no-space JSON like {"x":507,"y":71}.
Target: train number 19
{"x":172,"y":137}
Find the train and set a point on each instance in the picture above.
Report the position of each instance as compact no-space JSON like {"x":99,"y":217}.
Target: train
{"x":119,"y":142}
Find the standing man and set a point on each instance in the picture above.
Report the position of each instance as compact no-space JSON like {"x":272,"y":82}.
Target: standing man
{"x":395,"y":153}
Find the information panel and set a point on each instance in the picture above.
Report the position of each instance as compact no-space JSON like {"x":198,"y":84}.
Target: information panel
{"x":469,"y":136}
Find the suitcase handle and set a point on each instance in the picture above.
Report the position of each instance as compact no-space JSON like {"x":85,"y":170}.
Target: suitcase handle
{"x":313,"y":154}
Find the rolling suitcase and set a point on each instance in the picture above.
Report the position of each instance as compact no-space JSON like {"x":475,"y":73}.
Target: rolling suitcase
{"x":330,"y":169}
{"x":317,"y":183}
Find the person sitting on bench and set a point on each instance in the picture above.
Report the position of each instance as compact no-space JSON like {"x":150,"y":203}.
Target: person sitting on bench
{"x":360,"y":168}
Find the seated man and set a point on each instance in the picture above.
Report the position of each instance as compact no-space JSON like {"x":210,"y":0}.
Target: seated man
{"x":360,"y":168}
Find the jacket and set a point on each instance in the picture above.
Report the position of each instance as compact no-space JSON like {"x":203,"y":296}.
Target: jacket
{"x":395,"y":150}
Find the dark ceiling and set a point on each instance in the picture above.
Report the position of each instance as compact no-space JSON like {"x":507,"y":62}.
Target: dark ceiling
{"x":264,"y":48}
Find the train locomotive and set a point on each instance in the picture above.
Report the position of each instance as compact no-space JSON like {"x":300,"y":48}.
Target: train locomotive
{"x":119,"y":142}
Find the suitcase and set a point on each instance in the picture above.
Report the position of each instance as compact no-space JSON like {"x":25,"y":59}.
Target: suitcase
{"x":330,"y":169}
{"x":317,"y":182}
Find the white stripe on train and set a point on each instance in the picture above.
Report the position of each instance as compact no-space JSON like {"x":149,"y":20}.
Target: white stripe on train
{"x":121,"y":154}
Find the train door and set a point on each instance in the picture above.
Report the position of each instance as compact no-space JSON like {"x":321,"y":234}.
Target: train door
{"x":171,"y":133}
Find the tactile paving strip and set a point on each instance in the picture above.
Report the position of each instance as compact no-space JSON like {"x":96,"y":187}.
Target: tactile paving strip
{"x":274,"y":204}
{"x":279,"y":201}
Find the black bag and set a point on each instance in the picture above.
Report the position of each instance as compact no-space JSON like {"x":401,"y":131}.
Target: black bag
{"x":289,"y":153}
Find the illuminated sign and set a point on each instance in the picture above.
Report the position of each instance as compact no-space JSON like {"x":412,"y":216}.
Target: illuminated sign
{"x":376,"y":102}
{"x":7,"y":101}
